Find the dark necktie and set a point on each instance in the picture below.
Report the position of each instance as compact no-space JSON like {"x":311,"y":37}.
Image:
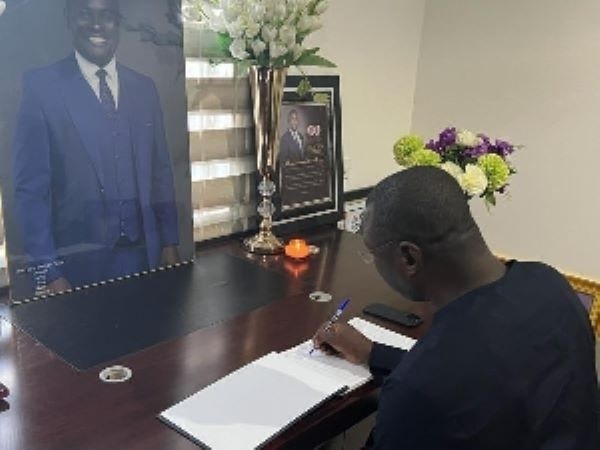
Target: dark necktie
{"x":106,"y":98}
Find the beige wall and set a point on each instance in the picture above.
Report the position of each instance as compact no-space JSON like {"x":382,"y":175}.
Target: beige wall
{"x":528,"y":71}
{"x":375,"y":45}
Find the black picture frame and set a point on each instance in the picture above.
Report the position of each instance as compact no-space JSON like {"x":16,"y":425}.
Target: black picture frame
{"x":320,"y":201}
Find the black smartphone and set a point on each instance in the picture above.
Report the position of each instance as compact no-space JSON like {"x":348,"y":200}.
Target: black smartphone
{"x":386,"y":312}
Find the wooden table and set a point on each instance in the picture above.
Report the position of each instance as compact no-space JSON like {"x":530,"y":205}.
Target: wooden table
{"x":53,"y":406}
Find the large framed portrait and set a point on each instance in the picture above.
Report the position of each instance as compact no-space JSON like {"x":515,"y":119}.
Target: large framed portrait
{"x":309,"y":162}
{"x":95,"y":176}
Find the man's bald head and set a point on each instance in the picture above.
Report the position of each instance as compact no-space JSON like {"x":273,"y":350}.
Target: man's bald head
{"x":422,"y":205}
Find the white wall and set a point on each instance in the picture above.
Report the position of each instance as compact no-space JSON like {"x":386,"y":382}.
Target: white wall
{"x":375,"y":45}
{"x":528,"y":71}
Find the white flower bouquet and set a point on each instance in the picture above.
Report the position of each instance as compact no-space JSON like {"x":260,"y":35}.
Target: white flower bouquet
{"x":481,"y":166}
{"x":266,"y":33}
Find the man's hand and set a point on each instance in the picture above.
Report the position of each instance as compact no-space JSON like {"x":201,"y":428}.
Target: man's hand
{"x":344,"y":340}
{"x":169,"y":256}
{"x":59,"y":285}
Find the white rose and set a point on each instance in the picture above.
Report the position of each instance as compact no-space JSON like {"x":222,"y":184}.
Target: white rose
{"x":297,"y":51}
{"x":287,"y":36}
{"x":257,"y":11}
{"x":268,"y":33}
{"x":473,"y":181}
{"x":216,"y":20}
{"x":453,"y":169}
{"x":315,"y":23}
{"x":292,"y":6}
{"x":467,"y":138}
{"x":238,"y":49}
{"x":231,"y":10}
{"x":258,"y":47}
{"x":276,"y":49}
{"x":302,"y":3}
{"x":235,"y":29}
{"x":281,"y":11}
{"x":304,"y":23}
{"x":252,"y":29}
{"x":270,"y":4}
{"x":269,"y":14}
{"x":321,"y":7}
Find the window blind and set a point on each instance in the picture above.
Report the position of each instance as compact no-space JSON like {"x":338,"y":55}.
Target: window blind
{"x":222,"y":156}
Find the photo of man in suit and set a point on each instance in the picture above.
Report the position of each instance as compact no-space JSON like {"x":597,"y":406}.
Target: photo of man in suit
{"x":291,"y":146}
{"x":93,"y":179}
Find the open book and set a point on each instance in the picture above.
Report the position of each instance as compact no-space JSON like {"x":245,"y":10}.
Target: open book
{"x":353,"y":375}
{"x":250,"y":406}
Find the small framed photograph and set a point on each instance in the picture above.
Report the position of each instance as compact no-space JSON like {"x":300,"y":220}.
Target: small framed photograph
{"x":309,"y":162}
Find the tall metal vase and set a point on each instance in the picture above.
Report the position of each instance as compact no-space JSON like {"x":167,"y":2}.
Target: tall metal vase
{"x":266,"y":86}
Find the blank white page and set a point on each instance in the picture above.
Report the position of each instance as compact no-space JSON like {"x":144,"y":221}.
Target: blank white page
{"x":251,"y":405}
{"x":352,"y":375}
{"x":382,"y":335}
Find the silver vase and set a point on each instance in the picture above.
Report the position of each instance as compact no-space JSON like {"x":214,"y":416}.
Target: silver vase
{"x":266,"y":87}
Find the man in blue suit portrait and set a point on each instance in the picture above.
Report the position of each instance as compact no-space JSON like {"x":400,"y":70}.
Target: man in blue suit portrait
{"x":93,"y":180}
{"x":291,"y":146}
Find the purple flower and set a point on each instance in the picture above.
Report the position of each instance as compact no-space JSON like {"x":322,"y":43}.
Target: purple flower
{"x":432,"y":145}
{"x":503,"y":148}
{"x":485,"y":139}
{"x":447,"y":138}
{"x":476,"y":152}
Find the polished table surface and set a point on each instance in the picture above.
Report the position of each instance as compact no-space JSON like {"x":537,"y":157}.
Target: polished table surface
{"x":53,"y":406}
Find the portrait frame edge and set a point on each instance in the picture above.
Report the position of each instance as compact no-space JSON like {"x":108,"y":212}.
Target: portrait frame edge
{"x":592,"y":288}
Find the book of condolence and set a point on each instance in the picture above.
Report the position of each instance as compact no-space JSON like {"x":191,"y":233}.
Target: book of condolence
{"x":252,"y":405}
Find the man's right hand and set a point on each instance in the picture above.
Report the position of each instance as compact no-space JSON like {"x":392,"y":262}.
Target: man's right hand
{"x":346,"y":341}
{"x":59,"y":285}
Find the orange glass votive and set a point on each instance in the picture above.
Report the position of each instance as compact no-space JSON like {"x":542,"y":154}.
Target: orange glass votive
{"x":297,"y":249}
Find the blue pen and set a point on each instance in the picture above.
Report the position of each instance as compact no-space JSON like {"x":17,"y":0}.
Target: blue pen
{"x":336,"y":315}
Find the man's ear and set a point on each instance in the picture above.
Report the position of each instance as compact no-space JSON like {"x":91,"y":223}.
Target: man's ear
{"x":411,"y":257}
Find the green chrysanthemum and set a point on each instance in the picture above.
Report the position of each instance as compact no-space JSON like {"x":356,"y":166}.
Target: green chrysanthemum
{"x":424,"y":157}
{"x":405,"y":147}
{"x":495,"y":169}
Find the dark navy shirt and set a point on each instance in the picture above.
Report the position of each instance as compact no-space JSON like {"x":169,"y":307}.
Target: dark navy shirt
{"x":508,"y":366}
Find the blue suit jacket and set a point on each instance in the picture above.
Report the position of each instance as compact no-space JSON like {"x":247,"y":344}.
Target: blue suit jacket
{"x":60,"y":189}
{"x":289,"y":150}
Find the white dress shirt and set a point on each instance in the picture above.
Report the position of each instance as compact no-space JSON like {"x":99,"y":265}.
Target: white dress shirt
{"x":89,"y":69}
{"x":296,"y":137}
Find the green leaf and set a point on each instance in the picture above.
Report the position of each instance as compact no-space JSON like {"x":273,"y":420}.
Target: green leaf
{"x":218,"y":48}
{"x":311,"y":51}
{"x":223,"y":41}
{"x":321,"y":97}
{"x":310,"y":59}
{"x":490,"y":200}
{"x":304,"y":87}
